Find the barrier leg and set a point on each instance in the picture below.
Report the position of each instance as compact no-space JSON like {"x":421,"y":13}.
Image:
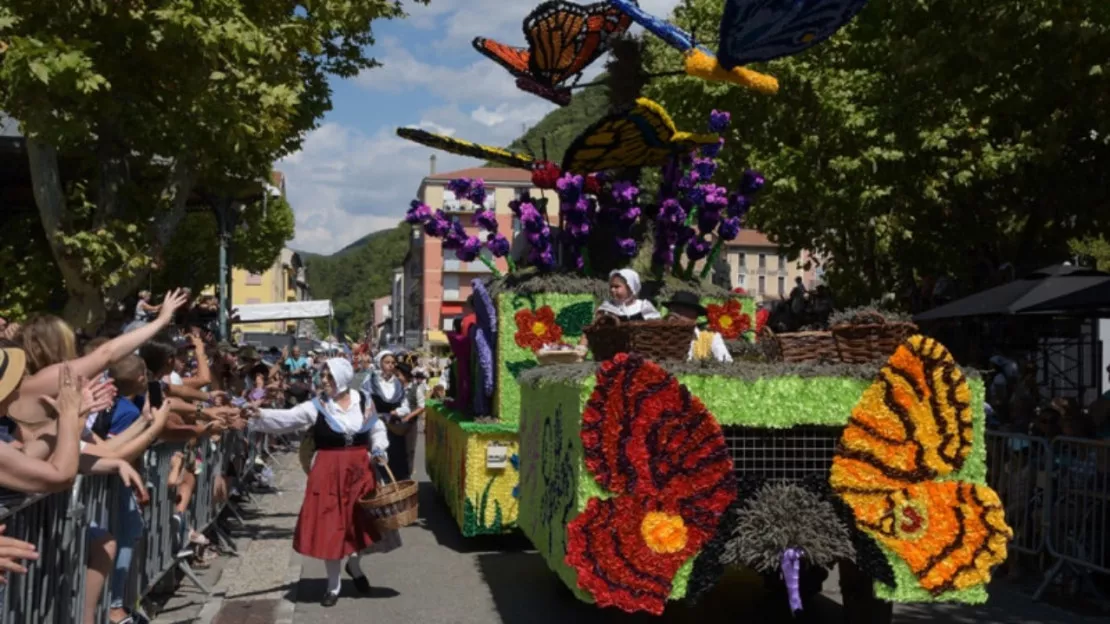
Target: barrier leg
{"x":1049,"y":578}
{"x":187,"y":570}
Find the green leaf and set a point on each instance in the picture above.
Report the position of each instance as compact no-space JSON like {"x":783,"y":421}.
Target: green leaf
{"x":520,"y":366}
{"x":40,"y":71}
{"x":573,"y":318}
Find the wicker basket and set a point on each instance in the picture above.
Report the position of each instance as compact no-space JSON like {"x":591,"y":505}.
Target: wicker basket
{"x":655,"y":340}
{"x":858,"y":344}
{"x":808,"y":346}
{"x":562,"y":356}
{"x":392,"y":505}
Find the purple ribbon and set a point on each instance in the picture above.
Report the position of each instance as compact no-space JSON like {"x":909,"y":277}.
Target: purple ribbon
{"x":791,"y":574}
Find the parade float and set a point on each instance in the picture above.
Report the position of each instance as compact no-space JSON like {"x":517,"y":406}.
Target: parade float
{"x":642,"y":468}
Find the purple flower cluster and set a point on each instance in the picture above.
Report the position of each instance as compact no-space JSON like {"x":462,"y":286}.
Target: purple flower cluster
{"x":536,"y":231}
{"x":694,"y":209}
{"x":467,"y":247}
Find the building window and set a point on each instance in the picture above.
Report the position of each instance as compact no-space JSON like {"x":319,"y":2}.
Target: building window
{"x":254,"y":279}
{"x":782,"y":285}
{"x":742,"y":262}
{"x":763,"y":261}
{"x":762,"y":284}
{"x":451,"y":287}
{"x":741,"y":279}
{"x":449,"y":323}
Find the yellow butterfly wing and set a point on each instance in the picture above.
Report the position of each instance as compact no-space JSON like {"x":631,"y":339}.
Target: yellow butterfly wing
{"x":642,"y":136}
{"x":466,"y":148}
{"x":911,"y":428}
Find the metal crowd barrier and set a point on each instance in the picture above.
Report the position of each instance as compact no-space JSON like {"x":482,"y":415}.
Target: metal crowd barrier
{"x":1057,"y":499}
{"x":53,"y":589}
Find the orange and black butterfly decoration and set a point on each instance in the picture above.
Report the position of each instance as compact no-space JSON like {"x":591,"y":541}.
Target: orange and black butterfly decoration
{"x":563,"y":39}
{"x":900,"y":467}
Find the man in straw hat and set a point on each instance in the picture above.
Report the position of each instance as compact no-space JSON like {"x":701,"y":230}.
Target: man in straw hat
{"x":342,"y":425}
{"x":706,"y":344}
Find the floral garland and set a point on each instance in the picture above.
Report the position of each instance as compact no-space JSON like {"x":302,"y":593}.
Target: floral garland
{"x":653,"y":445}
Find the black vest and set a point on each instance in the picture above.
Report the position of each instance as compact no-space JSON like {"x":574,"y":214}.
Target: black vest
{"x":382,"y":406}
{"x":328,"y":438}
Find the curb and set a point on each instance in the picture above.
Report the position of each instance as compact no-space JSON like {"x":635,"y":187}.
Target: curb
{"x":215,"y":600}
{"x":286,"y":610}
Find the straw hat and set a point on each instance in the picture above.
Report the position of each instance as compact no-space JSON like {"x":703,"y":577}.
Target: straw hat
{"x":12,"y":364}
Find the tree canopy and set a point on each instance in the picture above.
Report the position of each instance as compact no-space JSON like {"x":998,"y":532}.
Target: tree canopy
{"x":928,"y":137}
{"x":154,"y":97}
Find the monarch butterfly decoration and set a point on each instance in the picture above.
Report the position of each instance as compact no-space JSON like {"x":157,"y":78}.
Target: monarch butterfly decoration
{"x":898,"y":467}
{"x":751,"y":31}
{"x":563,"y":39}
{"x":641,"y":136}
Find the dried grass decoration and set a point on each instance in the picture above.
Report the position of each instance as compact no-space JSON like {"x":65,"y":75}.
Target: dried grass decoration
{"x":785,"y":516}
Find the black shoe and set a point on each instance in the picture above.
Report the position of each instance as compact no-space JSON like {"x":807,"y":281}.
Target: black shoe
{"x":329,"y":599}
{"x":362,"y":584}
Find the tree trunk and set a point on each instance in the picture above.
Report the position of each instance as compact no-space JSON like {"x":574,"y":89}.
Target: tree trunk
{"x":87,"y":305}
{"x":46,"y":182}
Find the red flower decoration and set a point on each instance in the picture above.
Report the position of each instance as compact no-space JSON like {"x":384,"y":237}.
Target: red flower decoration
{"x":536,"y":329}
{"x":761,"y":317}
{"x":729,"y":320}
{"x":545,"y":174}
{"x":648,"y":440}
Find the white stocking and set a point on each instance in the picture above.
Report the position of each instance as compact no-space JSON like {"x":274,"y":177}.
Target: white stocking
{"x":333,"y":566}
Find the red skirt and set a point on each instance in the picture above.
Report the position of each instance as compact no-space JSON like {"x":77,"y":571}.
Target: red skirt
{"x":331,"y":525}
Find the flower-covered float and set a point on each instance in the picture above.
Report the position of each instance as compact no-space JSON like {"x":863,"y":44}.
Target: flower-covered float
{"x":640,"y":479}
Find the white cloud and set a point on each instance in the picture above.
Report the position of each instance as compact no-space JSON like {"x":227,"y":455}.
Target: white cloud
{"x":345,"y":183}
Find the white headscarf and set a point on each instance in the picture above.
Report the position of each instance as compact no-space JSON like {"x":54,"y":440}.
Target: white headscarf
{"x":630,"y":277}
{"x":381,"y":356}
{"x":342,"y":372}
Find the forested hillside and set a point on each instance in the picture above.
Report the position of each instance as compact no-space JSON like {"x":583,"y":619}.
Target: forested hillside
{"x":561,"y":125}
{"x":356,"y":275}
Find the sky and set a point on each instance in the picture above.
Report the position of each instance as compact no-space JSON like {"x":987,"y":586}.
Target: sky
{"x":353,"y":175}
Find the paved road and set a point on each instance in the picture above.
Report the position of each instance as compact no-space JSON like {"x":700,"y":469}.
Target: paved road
{"x":440,"y":578}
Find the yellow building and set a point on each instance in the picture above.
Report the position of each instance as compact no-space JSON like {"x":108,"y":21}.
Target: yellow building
{"x":284,"y":281}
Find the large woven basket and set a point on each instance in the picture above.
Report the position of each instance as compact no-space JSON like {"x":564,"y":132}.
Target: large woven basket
{"x":867,"y":342}
{"x":655,"y":340}
{"x":392,"y":505}
{"x":807,"y":346}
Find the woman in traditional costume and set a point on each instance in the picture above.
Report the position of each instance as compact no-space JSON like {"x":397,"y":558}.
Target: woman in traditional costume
{"x":343,"y":427}
{"x":387,"y":392}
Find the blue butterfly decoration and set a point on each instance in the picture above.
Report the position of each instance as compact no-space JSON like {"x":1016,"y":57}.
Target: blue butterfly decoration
{"x":751,"y":31}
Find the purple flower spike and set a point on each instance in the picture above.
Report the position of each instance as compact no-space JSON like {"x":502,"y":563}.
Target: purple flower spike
{"x":791,"y":573}
{"x":418,"y":212}
{"x":477,"y":192}
{"x":729,"y":229}
{"x":698,"y":249}
{"x":719,"y":120}
{"x":738,"y":205}
{"x":663,"y":256}
{"x":499,"y":246}
{"x":627,"y":247}
{"x":485,"y":219}
{"x":711,"y":151}
{"x":705,"y":167}
{"x":752,"y":182}
{"x":459,"y":186}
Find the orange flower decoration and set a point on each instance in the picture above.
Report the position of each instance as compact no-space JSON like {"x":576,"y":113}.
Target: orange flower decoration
{"x":536,"y":329}
{"x":729,"y":319}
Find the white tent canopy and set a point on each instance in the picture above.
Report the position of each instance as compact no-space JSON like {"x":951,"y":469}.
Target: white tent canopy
{"x":288,"y":311}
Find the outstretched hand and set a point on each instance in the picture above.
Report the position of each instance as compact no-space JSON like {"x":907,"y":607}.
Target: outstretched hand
{"x":174,"y":300}
{"x":68,"y":402}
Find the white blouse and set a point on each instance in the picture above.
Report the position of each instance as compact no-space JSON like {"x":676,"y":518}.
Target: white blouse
{"x":304,"y":415}
{"x":625,"y":310}
{"x":718,"y":348}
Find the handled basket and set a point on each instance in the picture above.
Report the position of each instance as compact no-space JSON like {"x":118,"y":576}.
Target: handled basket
{"x":807,"y":346}
{"x":655,"y":340}
{"x":872,"y":341}
{"x":392,"y":505}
